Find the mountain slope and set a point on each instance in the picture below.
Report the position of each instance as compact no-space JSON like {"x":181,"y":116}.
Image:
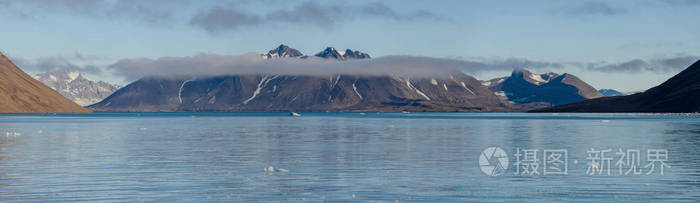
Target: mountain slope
{"x":20,"y":93}
{"x":610,"y":92}
{"x":524,"y":87}
{"x":304,"y":93}
{"x":681,"y":93}
{"x":458,"y":92}
{"x":76,"y":87}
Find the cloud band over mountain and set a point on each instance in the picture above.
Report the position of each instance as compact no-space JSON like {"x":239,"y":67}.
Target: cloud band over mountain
{"x":414,"y":66}
{"x":211,"y":65}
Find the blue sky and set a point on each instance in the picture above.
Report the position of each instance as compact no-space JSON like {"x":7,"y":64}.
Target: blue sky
{"x":627,"y":45}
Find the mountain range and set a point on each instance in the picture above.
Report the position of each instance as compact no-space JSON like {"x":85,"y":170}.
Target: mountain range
{"x":76,"y":87}
{"x":532,"y":90}
{"x":522,"y":90}
{"x":20,"y":93}
{"x":457,"y":92}
{"x":679,"y":94}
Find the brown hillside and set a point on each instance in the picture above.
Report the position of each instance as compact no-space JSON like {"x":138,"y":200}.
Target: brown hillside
{"x":20,"y":93}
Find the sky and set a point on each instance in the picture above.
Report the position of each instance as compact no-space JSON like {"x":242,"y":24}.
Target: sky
{"x":625,"y":45}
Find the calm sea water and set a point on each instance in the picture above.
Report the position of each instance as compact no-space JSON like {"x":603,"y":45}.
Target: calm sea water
{"x":346,"y":157}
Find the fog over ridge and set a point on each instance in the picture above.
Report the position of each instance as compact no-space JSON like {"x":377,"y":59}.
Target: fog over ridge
{"x":203,"y":65}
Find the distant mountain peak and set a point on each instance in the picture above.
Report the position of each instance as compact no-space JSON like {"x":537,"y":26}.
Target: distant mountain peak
{"x":610,"y":92}
{"x":523,"y":87}
{"x":536,"y":79}
{"x":65,"y":75}
{"x":355,"y":54}
{"x":331,"y":52}
{"x":76,"y":87}
{"x":282,"y":51}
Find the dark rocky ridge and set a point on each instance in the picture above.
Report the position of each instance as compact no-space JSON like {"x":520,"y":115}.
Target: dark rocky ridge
{"x":679,"y":94}
{"x":458,"y":92}
{"x":331,"y":52}
{"x":304,"y":93}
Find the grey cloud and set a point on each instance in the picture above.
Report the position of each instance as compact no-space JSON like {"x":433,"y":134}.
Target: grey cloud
{"x":382,"y":10}
{"x":675,"y":63}
{"x":308,"y":12}
{"x":152,"y":11}
{"x":83,"y":57}
{"x":519,"y":63}
{"x":54,"y":64}
{"x":635,"y":65}
{"x":595,"y":8}
{"x":220,"y":18}
{"x":212,"y":65}
{"x":681,"y":2}
{"x":413,"y":66}
{"x":639,"y":65}
{"x":213,"y":16}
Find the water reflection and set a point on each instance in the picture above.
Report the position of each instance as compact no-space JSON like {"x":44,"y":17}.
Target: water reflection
{"x":332,"y":156}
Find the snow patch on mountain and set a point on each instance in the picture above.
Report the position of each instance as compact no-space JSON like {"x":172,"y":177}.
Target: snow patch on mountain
{"x":179,"y":93}
{"x":261,"y":85}
{"x":354,"y":88}
{"x":466,"y":88}
{"x":433,"y":81}
{"x":410,"y":86}
{"x":537,"y":78}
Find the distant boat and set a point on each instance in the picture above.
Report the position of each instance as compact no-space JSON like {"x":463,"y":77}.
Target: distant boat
{"x":294,"y":114}
{"x":405,"y":112}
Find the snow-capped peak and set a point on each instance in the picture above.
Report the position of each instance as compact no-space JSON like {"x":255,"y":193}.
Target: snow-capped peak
{"x":75,"y":86}
{"x":355,"y":54}
{"x":73,"y":75}
{"x":331,"y":52}
{"x":537,"y":78}
{"x":282,"y":51}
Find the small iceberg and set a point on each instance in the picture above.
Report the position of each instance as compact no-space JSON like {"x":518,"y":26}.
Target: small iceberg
{"x":271,"y":169}
{"x":294,"y":114}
